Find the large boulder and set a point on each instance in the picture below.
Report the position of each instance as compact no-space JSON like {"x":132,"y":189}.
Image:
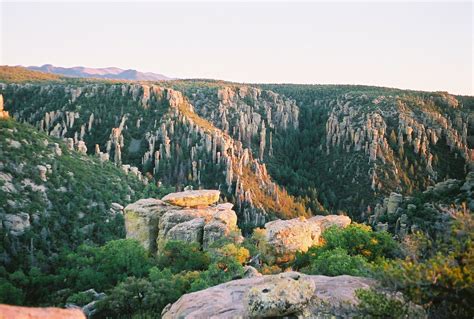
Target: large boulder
{"x":297,"y":235}
{"x":192,"y":198}
{"x":142,"y":219}
{"x":14,"y":312}
{"x":153,"y":222}
{"x":286,"y":294}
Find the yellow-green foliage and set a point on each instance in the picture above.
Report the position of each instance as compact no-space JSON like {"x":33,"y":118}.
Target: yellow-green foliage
{"x":16,"y":74}
{"x":443,"y":282}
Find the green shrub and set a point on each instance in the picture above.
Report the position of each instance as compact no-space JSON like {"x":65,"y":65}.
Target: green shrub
{"x":9,"y":294}
{"x":179,"y":256}
{"x":347,"y":251}
{"x":373,"y":304}
{"x":337,"y":262}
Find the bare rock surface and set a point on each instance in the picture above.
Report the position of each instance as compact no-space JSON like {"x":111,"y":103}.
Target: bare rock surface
{"x":153,"y":222}
{"x":290,"y":236}
{"x":193,"y":198}
{"x":288,"y":293}
{"x":16,"y":224}
{"x":14,"y":312}
{"x":141,"y":221}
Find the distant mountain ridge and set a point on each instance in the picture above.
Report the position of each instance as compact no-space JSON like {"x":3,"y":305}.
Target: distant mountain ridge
{"x":102,"y":73}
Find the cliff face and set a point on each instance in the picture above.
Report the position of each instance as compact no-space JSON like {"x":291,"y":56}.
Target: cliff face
{"x":332,"y":147}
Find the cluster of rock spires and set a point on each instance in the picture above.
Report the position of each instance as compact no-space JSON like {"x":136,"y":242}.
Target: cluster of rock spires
{"x":461,"y":198}
{"x":357,"y":129}
{"x":389,"y":126}
{"x":221,"y":136}
{"x":181,"y":147}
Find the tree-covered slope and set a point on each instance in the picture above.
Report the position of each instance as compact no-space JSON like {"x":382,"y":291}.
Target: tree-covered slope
{"x":273,"y":150}
{"x":155,"y":130}
{"x":52,"y":198}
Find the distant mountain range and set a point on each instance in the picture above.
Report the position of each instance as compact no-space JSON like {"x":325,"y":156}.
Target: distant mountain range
{"x":102,"y":73}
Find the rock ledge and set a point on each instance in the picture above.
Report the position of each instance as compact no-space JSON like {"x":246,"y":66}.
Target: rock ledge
{"x":195,"y":198}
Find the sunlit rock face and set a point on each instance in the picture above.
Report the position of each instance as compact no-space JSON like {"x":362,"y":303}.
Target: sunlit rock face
{"x":14,"y":312}
{"x":287,"y":237}
{"x":153,"y":222}
{"x":286,"y":294}
{"x":141,"y":221}
{"x":3,"y":113}
{"x":193,"y":198}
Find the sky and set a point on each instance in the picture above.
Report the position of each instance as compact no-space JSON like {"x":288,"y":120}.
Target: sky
{"x":422,"y":46}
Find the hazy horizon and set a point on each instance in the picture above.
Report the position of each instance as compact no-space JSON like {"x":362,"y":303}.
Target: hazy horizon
{"x":418,"y":46}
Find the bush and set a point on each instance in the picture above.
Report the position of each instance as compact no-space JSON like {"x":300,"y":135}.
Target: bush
{"x":375,"y":304}
{"x":347,"y":251}
{"x":337,"y":262}
{"x":359,"y":239}
{"x":132,"y":296}
{"x":10,"y":294}
{"x":443,"y":282}
{"x":179,"y":256}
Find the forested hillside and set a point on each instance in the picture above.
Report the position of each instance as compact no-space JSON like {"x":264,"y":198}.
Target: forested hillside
{"x":274,"y":150}
{"x":74,"y":152}
{"x":54,"y":198}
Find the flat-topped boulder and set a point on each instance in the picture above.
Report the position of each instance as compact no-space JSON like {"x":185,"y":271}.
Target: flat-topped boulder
{"x":297,"y":235}
{"x":14,"y":312}
{"x":193,"y":198}
{"x":153,"y":222}
{"x":285,"y":294}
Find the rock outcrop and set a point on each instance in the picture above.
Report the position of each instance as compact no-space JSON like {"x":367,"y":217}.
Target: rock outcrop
{"x":393,"y":202}
{"x":297,"y":235}
{"x":3,"y":114}
{"x":286,"y":294}
{"x":141,"y":221}
{"x":153,"y":221}
{"x":192,"y":198}
{"x":14,"y":312}
{"x":16,"y":224}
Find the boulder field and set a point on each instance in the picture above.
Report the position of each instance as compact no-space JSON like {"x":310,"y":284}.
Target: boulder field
{"x":285,"y":294}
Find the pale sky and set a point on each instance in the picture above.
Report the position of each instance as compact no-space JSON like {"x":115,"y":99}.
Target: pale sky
{"x":425,"y":46}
